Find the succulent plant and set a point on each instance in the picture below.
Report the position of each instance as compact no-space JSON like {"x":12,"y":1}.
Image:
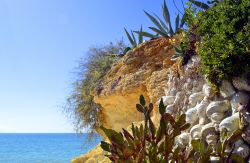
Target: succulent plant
{"x":132,"y":39}
{"x":147,"y":143}
{"x":179,"y":51}
{"x":202,"y":153}
{"x":162,"y":28}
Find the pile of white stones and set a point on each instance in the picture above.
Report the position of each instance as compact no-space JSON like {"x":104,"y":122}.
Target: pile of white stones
{"x":209,"y":113}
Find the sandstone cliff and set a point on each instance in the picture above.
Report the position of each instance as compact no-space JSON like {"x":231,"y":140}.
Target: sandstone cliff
{"x":144,"y":70}
{"x":148,"y":70}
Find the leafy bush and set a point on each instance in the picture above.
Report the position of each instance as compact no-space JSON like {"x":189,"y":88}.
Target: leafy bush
{"x":91,"y":70}
{"x":148,"y":143}
{"x":225,"y":45}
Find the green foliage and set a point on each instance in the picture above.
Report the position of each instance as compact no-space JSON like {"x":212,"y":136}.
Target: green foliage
{"x":147,"y":143}
{"x":162,"y":28}
{"x":225,"y":45}
{"x":200,"y":4}
{"x":81,"y":104}
{"x":203,"y":152}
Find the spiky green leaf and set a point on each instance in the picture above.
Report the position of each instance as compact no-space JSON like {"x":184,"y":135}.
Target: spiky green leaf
{"x":155,"y":21}
{"x":140,"y":36}
{"x":183,"y":20}
{"x":167,"y":17}
{"x":165,"y":27}
{"x":105,"y":146}
{"x":130,"y":38}
{"x":142,"y":100}
{"x":162,"y":108}
{"x":146,"y":34}
{"x":134,"y":40}
{"x":177,"y":21}
{"x":162,"y":33}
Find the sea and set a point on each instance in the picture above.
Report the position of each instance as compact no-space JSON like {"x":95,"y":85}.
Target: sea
{"x":44,"y":148}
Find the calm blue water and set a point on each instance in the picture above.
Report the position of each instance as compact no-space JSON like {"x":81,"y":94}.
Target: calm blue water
{"x":43,"y":148}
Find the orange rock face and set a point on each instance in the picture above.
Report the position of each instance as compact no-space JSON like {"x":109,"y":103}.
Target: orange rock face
{"x":141,"y":71}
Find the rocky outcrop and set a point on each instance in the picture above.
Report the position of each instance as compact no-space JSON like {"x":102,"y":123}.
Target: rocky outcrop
{"x":148,"y":70}
{"x":93,"y":156}
{"x":208,"y":112}
{"x":143,"y":70}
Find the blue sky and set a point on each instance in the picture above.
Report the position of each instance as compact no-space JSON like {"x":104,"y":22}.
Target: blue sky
{"x":41,"y":42}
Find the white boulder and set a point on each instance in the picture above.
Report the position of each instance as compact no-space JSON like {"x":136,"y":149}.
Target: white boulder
{"x":230,"y":123}
{"x":226,"y":89}
{"x":241,"y":83}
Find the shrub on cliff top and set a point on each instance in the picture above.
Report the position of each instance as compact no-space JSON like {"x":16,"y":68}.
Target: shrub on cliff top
{"x":91,"y":69}
{"x":225,"y":45}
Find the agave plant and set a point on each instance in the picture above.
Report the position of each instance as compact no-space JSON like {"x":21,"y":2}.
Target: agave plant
{"x":162,"y":28}
{"x":179,"y":51}
{"x":132,"y":39}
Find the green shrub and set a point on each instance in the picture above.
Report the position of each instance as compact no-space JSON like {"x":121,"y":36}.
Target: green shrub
{"x":91,"y":70}
{"x":225,"y":45}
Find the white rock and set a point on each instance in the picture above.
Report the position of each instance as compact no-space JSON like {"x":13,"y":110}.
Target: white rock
{"x":217,"y":107}
{"x":192,"y":116}
{"x":195,"y":98}
{"x":241,"y":83}
{"x":171,"y":92}
{"x":226,"y":89}
{"x":208,"y":129}
{"x":178,"y":98}
{"x":208,"y":91}
{"x":201,"y":110}
{"x":211,"y":139}
{"x":230,"y":123}
{"x":184,"y":139}
{"x":195,"y":131}
{"x":246,"y":136}
{"x":240,"y":98}
{"x":241,"y":149}
{"x":188,"y":85}
{"x":170,"y":109}
{"x":197,"y":85}
{"x":168,"y":100}
{"x":216,"y":117}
